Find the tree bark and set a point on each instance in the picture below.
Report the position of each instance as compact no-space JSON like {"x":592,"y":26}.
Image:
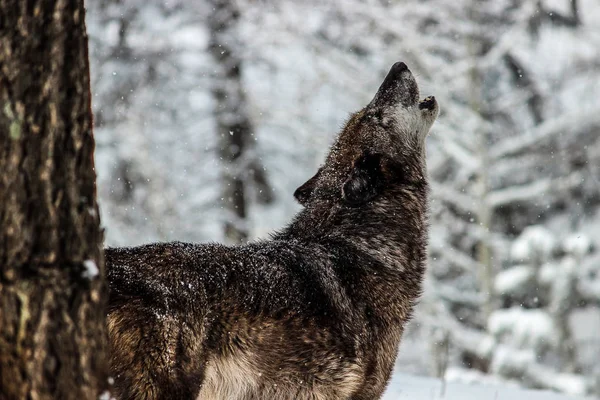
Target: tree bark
{"x":52,"y":288}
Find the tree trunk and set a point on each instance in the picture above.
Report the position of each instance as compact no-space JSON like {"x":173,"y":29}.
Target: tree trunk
{"x":484,"y":211}
{"x":52,"y":288}
{"x":234,"y":127}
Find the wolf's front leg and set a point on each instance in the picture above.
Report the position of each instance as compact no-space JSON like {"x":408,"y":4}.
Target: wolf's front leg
{"x":154,"y":356}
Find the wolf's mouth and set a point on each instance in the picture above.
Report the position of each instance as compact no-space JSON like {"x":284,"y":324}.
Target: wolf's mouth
{"x":428,"y":103}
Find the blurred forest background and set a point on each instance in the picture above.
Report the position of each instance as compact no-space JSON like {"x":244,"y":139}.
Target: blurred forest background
{"x":210,"y":113}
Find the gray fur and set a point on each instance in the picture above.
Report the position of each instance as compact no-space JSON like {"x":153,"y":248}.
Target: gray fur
{"x":318,"y":311}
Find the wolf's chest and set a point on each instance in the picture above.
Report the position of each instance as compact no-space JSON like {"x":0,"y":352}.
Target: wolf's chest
{"x":230,"y":378}
{"x":244,"y":376}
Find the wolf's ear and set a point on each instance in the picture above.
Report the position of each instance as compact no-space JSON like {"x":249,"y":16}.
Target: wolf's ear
{"x":302,"y":194}
{"x":365,"y":181}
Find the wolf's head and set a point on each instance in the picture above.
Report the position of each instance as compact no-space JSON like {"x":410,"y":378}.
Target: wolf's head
{"x":381,"y":146}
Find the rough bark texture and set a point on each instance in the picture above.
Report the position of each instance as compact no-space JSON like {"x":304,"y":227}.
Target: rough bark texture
{"x":52,"y":302}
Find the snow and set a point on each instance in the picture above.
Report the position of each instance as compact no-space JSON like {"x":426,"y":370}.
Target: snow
{"x":513,"y":279}
{"x":526,"y":328}
{"x":105,"y":396}
{"x":549,"y":272}
{"x":90,"y":269}
{"x":535,"y":241}
{"x":404,"y":386}
{"x":577,"y":244}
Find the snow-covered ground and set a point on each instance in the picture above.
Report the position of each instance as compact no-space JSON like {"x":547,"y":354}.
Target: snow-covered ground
{"x":411,"y":387}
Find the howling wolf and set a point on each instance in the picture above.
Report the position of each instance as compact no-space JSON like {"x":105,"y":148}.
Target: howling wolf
{"x":318,"y":311}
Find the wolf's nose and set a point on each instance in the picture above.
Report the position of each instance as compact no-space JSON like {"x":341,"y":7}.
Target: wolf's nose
{"x":427,"y":103}
{"x":399,"y":67}
{"x":398,"y":87}
{"x":396,"y":72}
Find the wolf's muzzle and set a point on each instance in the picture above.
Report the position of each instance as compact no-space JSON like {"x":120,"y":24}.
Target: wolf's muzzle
{"x":398,"y":87}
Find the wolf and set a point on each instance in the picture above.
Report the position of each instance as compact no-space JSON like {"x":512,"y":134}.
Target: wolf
{"x":316,"y":312}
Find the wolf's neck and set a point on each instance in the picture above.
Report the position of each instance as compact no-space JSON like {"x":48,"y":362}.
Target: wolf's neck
{"x":392,"y":229}
{"x":398,"y":238}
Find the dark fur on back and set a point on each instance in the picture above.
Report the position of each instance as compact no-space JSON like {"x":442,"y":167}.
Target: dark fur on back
{"x":316,"y":312}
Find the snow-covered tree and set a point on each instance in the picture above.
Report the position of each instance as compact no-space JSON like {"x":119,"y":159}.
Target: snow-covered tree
{"x":241,"y":168}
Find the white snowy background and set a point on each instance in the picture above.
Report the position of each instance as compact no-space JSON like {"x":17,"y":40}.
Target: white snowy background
{"x":512,"y":296}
